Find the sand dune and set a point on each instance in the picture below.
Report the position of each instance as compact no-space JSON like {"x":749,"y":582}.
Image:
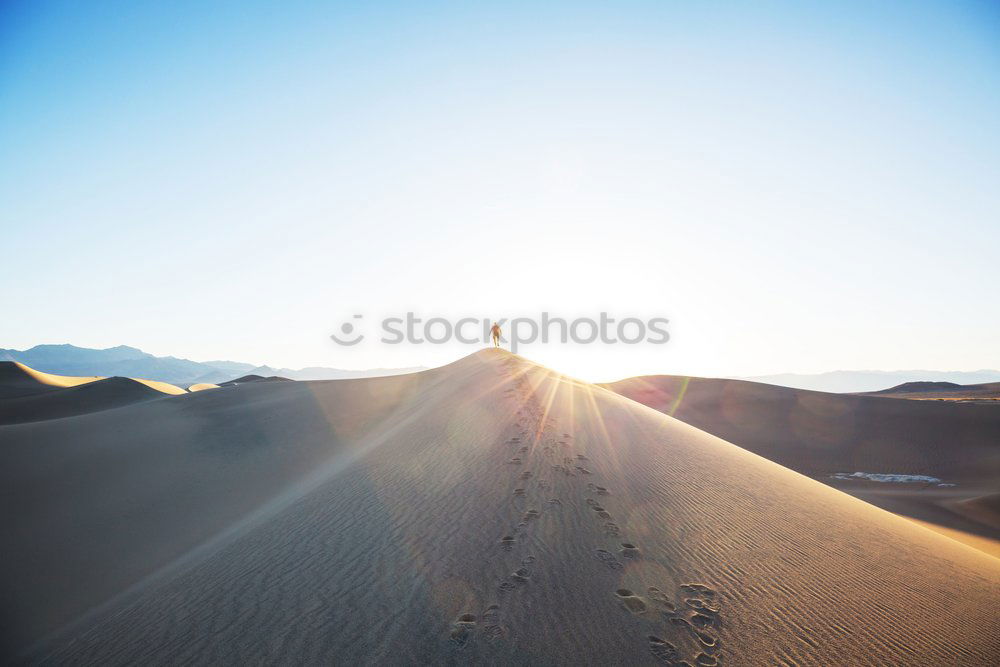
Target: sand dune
{"x":16,"y":379}
{"x":94,"y":396}
{"x":253,"y":378}
{"x":162,"y":387}
{"x":942,"y":391}
{"x":201,"y":386}
{"x":821,"y":434}
{"x":27,"y":395}
{"x":487,"y":512}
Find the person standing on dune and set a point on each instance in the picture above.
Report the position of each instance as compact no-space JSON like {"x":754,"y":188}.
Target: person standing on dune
{"x":495,"y":332}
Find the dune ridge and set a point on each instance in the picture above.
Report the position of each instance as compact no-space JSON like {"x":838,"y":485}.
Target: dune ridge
{"x":489,"y":511}
{"x":28,"y":395}
{"x":16,"y":379}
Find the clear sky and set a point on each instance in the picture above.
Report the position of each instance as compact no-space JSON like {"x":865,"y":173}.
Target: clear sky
{"x":798,"y":187}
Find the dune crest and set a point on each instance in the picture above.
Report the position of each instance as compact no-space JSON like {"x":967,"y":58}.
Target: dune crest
{"x":491,"y":511}
{"x":16,"y":379}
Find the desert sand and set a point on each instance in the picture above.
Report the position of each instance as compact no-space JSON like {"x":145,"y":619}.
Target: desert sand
{"x":27,"y":395}
{"x":822,"y":434}
{"x":487,"y":512}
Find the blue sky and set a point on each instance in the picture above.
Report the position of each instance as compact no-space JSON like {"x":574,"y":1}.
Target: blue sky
{"x":798,"y":187}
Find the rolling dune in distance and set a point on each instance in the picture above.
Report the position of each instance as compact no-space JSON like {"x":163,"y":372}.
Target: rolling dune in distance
{"x":27,"y":395}
{"x":491,"y":511}
{"x":16,"y":379}
{"x":942,"y":391}
{"x":821,"y":434}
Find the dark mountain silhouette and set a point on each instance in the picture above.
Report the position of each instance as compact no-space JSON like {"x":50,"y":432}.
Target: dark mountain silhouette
{"x":254,"y":378}
{"x":128,"y":361}
{"x":868,"y":381}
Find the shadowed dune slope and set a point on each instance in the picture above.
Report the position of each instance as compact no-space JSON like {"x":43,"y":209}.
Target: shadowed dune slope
{"x":16,"y":379}
{"x":93,"y":396}
{"x":28,"y":395}
{"x":253,"y":378}
{"x":819,"y":434}
{"x":941,"y":391}
{"x":490,"y":511}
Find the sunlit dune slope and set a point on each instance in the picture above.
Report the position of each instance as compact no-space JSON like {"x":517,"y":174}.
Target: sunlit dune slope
{"x":487,"y":512}
{"x":16,"y":379}
{"x":27,"y":395}
{"x":103,"y":394}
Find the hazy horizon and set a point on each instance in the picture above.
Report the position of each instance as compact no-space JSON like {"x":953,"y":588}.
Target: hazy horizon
{"x":854,"y":382}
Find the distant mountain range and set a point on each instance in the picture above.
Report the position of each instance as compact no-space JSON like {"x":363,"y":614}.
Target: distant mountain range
{"x":128,"y":361}
{"x":863,"y":381}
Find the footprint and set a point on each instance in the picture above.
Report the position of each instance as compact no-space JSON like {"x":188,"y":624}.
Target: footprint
{"x":699,"y":588}
{"x":608,"y":559}
{"x":527,"y":560}
{"x":706,"y":639}
{"x":662,"y":650}
{"x":581,"y":457}
{"x":612,"y":529}
{"x":523,"y":449}
{"x":530,"y":514}
{"x":518,"y":492}
{"x":555,"y":501}
{"x":492,"y":629}
{"x":506,"y":586}
{"x":630,"y":601}
{"x":507,"y":542}
{"x":461,"y":630}
{"x":706,"y":660}
{"x":515,"y":461}
{"x":701,"y":620}
{"x":601,"y":512}
{"x":629,"y":550}
{"x":522,"y":574}
{"x":527,"y":474}
{"x":682,"y":622}
{"x":660,"y":598}
{"x":694,"y":603}
{"x":583,"y":471}
{"x":492,"y":614}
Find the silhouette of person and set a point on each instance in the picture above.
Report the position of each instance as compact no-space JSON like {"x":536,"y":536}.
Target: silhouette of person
{"x":495,"y":332}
